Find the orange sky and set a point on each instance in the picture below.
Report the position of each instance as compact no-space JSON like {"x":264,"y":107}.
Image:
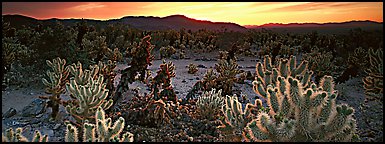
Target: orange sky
{"x":243,"y":13}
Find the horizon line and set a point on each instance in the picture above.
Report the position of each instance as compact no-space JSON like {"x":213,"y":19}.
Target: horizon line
{"x":194,"y":19}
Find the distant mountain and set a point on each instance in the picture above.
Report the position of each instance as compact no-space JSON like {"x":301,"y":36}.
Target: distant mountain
{"x":320,"y":27}
{"x":175,"y":22}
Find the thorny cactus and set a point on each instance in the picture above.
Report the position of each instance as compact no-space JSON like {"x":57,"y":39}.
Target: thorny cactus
{"x":192,"y":68}
{"x":107,"y":70}
{"x":82,"y":77}
{"x":16,"y":136}
{"x":141,"y":59}
{"x":227,"y":75}
{"x":210,"y":103}
{"x":299,"y":112}
{"x":322,"y":63}
{"x":373,"y":83}
{"x":267,"y":74}
{"x":166,"y":52}
{"x":87,"y":98}
{"x":359,"y":58}
{"x":56,"y":84}
{"x":144,"y":110}
{"x":161,"y":83}
{"x":102,"y":131}
{"x":236,"y":117}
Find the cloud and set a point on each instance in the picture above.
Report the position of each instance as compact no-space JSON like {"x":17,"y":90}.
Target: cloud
{"x":88,"y":6}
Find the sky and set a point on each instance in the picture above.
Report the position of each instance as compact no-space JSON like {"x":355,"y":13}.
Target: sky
{"x":242,"y":13}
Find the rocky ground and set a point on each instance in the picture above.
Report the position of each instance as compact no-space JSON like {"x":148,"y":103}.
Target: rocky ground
{"x":22,"y":108}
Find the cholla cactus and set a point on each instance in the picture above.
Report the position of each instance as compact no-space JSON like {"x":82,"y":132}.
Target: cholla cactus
{"x":227,"y":75}
{"x":166,"y":52}
{"x":12,"y":136}
{"x":82,"y":77}
{"x":103,"y":129}
{"x":107,"y":70}
{"x":373,"y":83}
{"x":88,"y":98}
{"x":359,"y":58}
{"x":55,"y":85}
{"x":192,"y":68}
{"x":209,"y":104}
{"x":141,"y":59}
{"x":161,"y":83}
{"x":267,"y":74}
{"x":301,"y":112}
{"x":322,"y":63}
{"x":236,"y":118}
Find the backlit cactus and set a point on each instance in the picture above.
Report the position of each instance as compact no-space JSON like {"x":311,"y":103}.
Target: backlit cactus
{"x":236,"y":118}
{"x":302,"y":111}
{"x":267,"y":74}
{"x":374,"y":82}
{"x":102,"y":131}
{"x":227,"y":75}
{"x":210,"y":103}
{"x":87,"y":98}
{"x":16,"y":136}
{"x":55,"y":85}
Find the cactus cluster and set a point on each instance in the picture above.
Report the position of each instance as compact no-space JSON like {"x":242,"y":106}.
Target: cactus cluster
{"x":166,"y":52}
{"x":267,"y":74}
{"x":192,"y":68}
{"x":236,"y":117}
{"x":299,"y":110}
{"x":374,"y":81}
{"x":103,"y":131}
{"x":303,"y":113}
{"x":88,"y":92}
{"x":141,"y":59}
{"x":210,"y":103}
{"x":17,"y":136}
{"x":55,"y":85}
{"x":161,"y":83}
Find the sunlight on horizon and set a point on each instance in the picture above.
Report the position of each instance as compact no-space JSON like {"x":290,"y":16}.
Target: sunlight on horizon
{"x":243,"y":13}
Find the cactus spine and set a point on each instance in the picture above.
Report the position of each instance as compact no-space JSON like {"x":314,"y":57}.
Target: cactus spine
{"x":16,"y":136}
{"x":103,"y":129}
{"x":55,"y":84}
{"x":302,"y":112}
{"x":373,"y":83}
{"x":236,"y":118}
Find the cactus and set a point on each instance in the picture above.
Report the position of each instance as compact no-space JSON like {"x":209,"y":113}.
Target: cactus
{"x":301,"y":111}
{"x":102,"y":131}
{"x":82,"y":77}
{"x":87,"y":98}
{"x":192,"y":68}
{"x":322,"y":63}
{"x":209,"y":104}
{"x":373,"y":83}
{"x":16,"y":136}
{"x":267,"y":74}
{"x":141,"y":59}
{"x":236,"y":118}
{"x":166,"y":52}
{"x":227,"y":75}
{"x":107,"y":70}
{"x":161,"y":83}
{"x":359,"y":58}
{"x":56,"y":84}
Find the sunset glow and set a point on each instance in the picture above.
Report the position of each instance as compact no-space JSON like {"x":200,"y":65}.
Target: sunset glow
{"x":243,"y":13}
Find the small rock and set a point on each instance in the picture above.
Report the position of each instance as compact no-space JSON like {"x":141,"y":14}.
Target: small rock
{"x":56,"y":126}
{"x":197,"y":78}
{"x":36,"y":107}
{"x":201,"y":66}
{"x":183,"y":81}
{"x":9,"y":113}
